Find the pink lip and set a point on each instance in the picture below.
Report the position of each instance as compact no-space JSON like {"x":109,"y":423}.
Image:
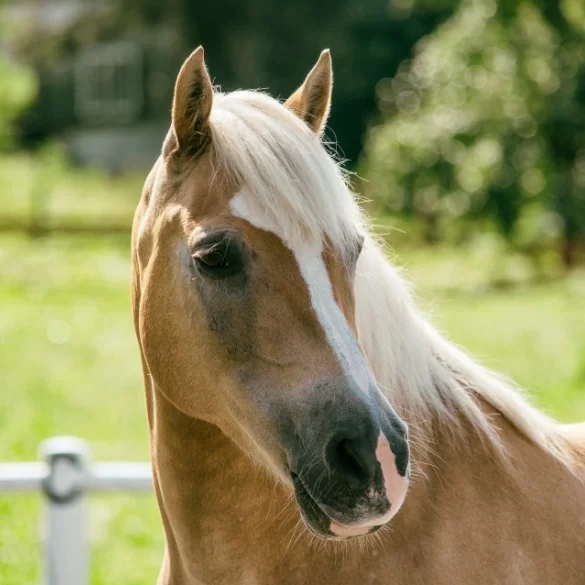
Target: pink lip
{"x":345,"y":531}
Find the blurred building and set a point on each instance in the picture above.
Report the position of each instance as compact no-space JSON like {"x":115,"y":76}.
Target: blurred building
{"x":104,"y":90}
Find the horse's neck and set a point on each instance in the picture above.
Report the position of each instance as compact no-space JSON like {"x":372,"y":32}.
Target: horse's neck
{"x":226,"y":522}
{"x":216,"y":504}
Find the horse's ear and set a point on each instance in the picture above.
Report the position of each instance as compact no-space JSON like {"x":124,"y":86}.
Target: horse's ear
{"x":192,"y":104}
{"x":311,"y":102}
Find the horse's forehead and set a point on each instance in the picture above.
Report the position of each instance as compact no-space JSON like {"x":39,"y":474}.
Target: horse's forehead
{"x":203,"y":188}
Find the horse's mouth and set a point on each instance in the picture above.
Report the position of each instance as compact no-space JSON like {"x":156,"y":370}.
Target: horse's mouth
{"x":317,"y":521}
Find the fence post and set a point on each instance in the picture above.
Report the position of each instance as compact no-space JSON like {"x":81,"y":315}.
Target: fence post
{"x":66,"y":546}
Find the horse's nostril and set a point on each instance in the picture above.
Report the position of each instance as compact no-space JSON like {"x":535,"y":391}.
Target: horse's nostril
{"x":352,"y":459}
{"x":349,"y":460}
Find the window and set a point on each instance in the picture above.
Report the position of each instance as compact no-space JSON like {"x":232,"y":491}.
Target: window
{"x":109,"y":84}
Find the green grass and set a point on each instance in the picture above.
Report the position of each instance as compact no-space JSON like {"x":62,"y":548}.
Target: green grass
{"x":535,"y":334}
{"x":69,"y":365}
{"x":62,"y":196}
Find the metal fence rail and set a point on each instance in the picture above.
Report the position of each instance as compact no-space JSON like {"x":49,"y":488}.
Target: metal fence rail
{"x":65,"y":475}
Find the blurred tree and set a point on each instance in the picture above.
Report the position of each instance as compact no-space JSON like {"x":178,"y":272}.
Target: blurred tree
{"x":17,"y":89}
{"x":253,"y":44}
{"x":488,"y":118}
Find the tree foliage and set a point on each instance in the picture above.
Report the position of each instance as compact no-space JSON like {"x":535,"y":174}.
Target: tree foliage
{"x":18,"y":85}
{"x":17,"y":89}
{"x":488,"y":118}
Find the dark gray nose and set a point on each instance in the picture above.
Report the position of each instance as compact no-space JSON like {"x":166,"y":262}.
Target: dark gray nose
{"x":348,"y":456}
{"x":333,"y":451}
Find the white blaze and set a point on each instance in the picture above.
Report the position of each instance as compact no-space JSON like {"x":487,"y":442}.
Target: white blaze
{"x":314,"y":272}
{"x":341,"y":339}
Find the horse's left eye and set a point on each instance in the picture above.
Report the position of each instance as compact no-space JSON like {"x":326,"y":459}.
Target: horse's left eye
{"x":213,"y":259}
{"x":217,"y":261}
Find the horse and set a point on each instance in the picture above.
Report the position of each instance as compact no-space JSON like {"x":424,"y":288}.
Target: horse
{"x":307,"y":424}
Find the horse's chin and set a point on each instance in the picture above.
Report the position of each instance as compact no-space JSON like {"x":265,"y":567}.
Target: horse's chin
{"x":319,"y":523}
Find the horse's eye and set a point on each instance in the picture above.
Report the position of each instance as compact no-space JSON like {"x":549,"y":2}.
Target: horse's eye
{"x":212,"y":259}
{"x":218,"y":260}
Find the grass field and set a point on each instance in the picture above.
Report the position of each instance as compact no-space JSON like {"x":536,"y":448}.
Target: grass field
{"x":69,"y":365}
{"x":61,"y":196}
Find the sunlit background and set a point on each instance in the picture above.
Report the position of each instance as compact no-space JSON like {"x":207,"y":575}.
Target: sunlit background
{"x":463,"y":121}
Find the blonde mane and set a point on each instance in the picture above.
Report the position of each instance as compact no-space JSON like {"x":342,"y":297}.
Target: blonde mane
{"x":293,"y":178}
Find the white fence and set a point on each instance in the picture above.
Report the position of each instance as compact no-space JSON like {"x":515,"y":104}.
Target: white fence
{"x":65,"y":475}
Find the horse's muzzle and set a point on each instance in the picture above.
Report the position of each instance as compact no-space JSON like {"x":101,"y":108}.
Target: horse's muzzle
{"x":354,"y":482}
